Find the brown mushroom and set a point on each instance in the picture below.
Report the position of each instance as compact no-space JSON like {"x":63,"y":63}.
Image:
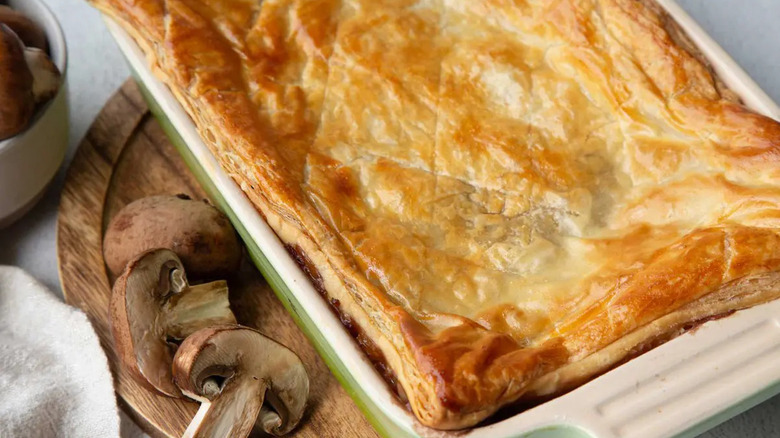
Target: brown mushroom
{"x":28,"y":31}
{"x":46,"y":75}
{"x":199,"y":233}
{"x":153,"y":308}
{"x":17,"y":102}
{"x":233,"y":370}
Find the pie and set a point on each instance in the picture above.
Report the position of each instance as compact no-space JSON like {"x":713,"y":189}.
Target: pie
{"x":504,"y":198}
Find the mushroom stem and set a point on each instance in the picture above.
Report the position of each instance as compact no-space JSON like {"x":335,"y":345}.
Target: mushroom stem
{"x":197,"y":307}
{"x":216,"y":419}
{"x":274,"y":420}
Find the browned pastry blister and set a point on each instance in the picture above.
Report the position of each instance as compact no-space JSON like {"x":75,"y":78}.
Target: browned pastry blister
{"x":508,"y":198}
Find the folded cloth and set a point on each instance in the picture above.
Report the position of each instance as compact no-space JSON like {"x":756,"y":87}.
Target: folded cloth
{"x":54,"y":376}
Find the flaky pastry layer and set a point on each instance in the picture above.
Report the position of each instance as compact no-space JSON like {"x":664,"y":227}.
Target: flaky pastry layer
{"x":508,"y":197}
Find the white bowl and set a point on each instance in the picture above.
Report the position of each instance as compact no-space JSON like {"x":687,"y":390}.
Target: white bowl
{"x":29,"y":161}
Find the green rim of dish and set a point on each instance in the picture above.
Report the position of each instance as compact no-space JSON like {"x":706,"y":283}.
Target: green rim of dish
{"x":381,"y":423}
{"x":384,"y":426}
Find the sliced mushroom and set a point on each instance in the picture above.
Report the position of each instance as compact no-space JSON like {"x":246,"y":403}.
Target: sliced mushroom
{"x":46,"y":75}
{"x":17,"y":102}
{"x":153,"y":308}
{"x":197,"y":232}
{"x":233,"y":371}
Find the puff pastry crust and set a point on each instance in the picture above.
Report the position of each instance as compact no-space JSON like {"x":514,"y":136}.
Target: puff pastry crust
{"x":507,"y":197}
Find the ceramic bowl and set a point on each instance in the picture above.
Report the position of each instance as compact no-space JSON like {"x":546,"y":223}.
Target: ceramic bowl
{"x":29,"y":161}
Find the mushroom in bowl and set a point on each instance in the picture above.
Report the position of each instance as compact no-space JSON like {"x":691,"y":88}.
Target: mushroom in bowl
{"x":31,"y":34}
{"x":28,"y":77}
{"x":33,"y":104}
{"x":16,"y":85}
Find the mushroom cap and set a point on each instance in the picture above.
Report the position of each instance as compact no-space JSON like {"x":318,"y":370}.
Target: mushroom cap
{"x":137,"y":326}
{"x":17,"y":102}
{"x":216,"y":360}
{"x":197,"y":232}
{"x":28,"y":31}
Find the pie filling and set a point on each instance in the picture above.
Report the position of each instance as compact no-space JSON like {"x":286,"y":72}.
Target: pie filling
{"x":507,"y":197}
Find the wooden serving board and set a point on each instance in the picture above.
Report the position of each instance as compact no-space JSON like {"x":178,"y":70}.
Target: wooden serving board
{"x":126,"y":156}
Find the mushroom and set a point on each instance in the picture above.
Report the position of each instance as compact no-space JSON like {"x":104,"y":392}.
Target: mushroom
{"x":232,"y":370}
{"x":46,"y":75}
{"x":17,"y":102}
{"x":153,"y":308}
{"x":199,"y":233}
{"x":28,"y":31}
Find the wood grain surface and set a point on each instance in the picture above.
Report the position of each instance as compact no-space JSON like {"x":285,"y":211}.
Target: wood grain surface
{"x":126,"y":156}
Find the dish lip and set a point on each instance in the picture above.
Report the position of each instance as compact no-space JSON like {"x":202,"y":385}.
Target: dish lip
{"x":582,"y":412}
{"x":59,"y":54}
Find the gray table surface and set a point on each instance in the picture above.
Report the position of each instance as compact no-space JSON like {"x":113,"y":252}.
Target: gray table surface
{"x":747,"y":29}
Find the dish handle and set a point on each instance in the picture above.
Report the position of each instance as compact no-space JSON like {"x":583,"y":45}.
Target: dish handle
{"x":693,"y":382}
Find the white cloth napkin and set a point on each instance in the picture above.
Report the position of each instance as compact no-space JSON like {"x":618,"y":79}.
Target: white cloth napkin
{"x":54,"y":376}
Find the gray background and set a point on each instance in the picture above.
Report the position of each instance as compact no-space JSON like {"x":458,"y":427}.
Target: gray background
{"x":748,"y":29}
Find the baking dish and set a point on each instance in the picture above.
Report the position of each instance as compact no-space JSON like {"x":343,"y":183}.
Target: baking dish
{"x":679,"y":388}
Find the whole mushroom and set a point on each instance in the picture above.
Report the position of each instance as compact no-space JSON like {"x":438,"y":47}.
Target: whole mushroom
{"x":198,"y":233}
{"x":17,"y":101}
{"x":244,"y":381}
{"x":153,"y":308}
{"x":28,"y":31}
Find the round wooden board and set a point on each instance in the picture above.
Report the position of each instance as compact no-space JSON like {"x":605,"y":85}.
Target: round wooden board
{"x":126,"y":156}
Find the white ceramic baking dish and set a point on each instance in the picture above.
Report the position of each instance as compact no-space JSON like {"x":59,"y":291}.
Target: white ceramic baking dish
{"x":679,"y":389}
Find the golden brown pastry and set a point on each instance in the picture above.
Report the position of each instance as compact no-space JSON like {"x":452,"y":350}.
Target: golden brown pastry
{"x":507,"y":197}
